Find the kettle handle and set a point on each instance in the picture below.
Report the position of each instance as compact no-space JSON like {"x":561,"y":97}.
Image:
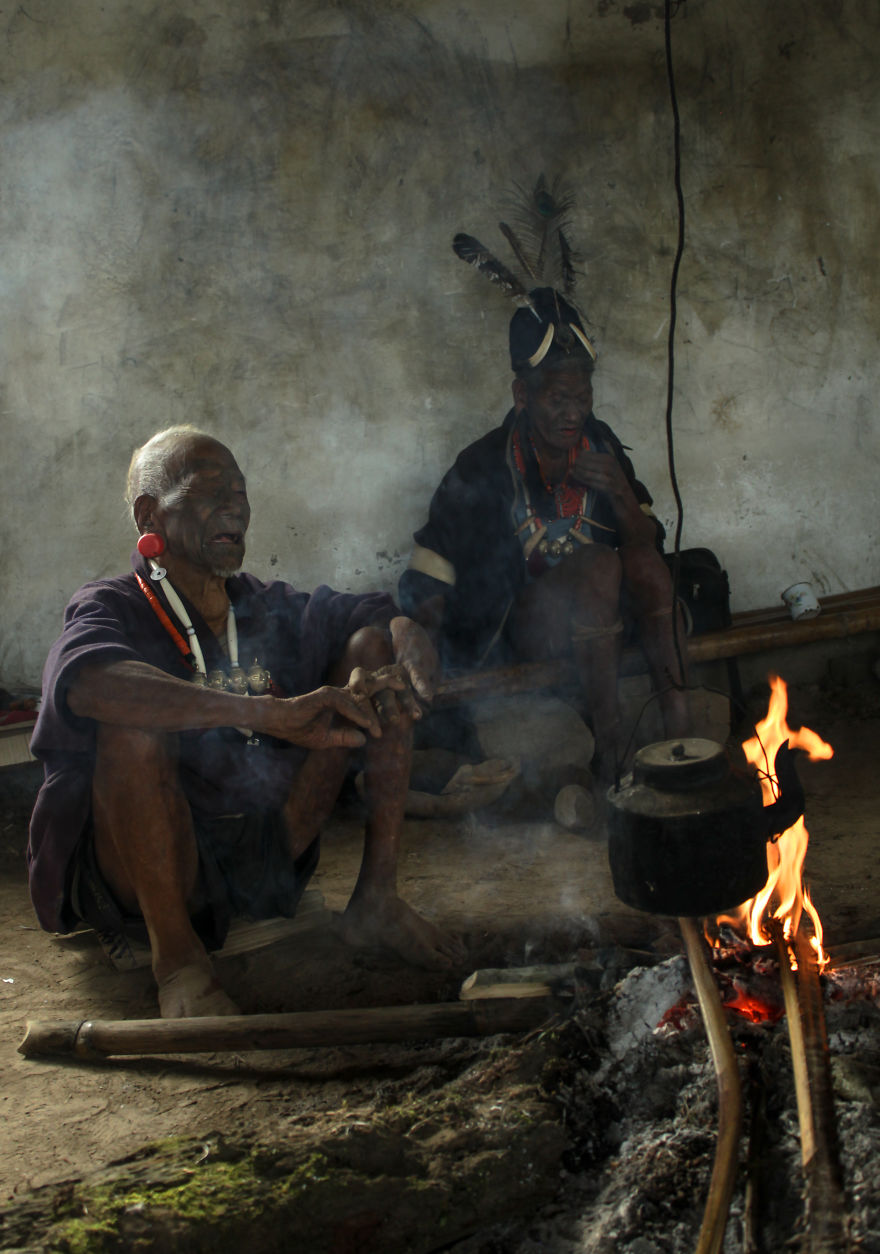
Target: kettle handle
{"x":789,"y":805}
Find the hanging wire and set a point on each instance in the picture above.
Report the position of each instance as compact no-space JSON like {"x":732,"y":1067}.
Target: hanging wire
{"x":673,"y":315}
{"x":671,"y":8}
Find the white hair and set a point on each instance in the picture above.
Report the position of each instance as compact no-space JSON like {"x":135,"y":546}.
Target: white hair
{"x":152,"y":469}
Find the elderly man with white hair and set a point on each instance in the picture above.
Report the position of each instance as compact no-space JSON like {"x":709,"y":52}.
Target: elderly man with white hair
{"x":195,"y":731}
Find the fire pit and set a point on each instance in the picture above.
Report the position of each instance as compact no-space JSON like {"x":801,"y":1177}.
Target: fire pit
{"x":639,"y":1094}
{"x":687,"y":837}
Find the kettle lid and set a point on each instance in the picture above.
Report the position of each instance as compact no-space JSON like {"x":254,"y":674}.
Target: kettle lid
{"x":679,"y":765}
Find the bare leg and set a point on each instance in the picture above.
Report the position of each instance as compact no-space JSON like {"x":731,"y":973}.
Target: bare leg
{"x":375,"y":915}
{"x":312,"y":797}
{"x":146,"y":851}
{"x":650,"y":587}
{"x":574,"y":609}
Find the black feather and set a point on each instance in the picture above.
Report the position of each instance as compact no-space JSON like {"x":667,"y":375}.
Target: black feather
{"x":476,"y":254}
{"x":568,"y":259}
{"x":518,"y":249}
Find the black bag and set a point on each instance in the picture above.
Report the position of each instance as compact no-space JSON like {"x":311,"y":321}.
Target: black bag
{"x":703,"y":590}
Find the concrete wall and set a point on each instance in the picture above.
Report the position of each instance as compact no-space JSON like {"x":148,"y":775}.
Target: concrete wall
{"x":239,"y":214}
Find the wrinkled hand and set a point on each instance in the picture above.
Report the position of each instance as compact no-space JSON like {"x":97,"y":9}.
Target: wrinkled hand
{"x":414,"y":651}
{"x":601,"y":472}
{"x":328,"y":718}
{"x":387,"y":691}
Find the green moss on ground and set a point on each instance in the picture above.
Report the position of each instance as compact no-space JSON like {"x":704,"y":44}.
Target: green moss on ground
{"x":457,"y":1159}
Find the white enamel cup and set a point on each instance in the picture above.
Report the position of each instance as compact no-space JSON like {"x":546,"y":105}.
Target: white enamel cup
{"x":801,"y":601}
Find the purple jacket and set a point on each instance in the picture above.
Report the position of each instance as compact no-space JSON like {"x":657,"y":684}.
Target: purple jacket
{"x":295,"y":635}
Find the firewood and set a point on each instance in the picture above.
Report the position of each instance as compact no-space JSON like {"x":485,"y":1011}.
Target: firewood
{"x":95,"y":1039}
{"x":803,"y":1097}
{"x":555,"y":979}
{"x":729,"y":1091}
{"x":537,"y":981}
{"x":854,"y":953}
{"x":826,"y":1203}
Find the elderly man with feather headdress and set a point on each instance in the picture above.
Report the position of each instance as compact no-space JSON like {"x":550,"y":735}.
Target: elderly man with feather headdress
{"x":540,"y":541}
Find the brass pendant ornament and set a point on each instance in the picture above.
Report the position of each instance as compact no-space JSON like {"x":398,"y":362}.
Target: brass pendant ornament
{"x":563,"y":547}
{"x":258,"y":679}
{"x":237,"y":681}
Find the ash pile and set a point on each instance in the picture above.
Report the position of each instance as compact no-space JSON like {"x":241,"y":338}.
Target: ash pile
{"x":635,"y":1082}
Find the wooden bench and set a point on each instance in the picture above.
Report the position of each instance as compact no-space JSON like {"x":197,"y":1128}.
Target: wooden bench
{"x":15,"y":739}
{"x":751,"y":631}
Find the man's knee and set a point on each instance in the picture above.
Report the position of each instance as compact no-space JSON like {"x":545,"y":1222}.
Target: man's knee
{"x":369,"y":647}
{"x":646,"y":573}
{"x":597,"y":575}
{"x":135,"y":751}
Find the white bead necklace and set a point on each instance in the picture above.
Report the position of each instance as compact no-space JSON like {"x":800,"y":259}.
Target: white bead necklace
{"x":237,"y":680}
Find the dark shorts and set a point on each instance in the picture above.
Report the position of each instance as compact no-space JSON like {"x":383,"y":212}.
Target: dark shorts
{"x":244,"y":869}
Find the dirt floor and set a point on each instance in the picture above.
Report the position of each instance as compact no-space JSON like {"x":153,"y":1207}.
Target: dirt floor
{"x":518,"y":892}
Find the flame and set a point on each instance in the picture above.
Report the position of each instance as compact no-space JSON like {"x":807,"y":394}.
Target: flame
{"x":783,"y":898}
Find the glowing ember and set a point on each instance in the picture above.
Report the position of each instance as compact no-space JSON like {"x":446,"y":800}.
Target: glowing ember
{"x":783,"y":898}
{"x":751,"y":1006}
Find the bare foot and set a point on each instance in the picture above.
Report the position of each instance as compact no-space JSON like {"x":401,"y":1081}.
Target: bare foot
{"x":389,"y":923}
{"x":193,"y":992}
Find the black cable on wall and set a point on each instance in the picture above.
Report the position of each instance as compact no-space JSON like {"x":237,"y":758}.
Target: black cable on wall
{"x":673,"y":313}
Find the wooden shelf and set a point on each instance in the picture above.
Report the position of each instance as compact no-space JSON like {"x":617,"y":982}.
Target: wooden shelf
{"x":15,"y":740}
{"x":751,"y":631}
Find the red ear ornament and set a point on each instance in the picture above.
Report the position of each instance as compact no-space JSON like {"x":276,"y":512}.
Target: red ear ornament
{"x":150,"y":545}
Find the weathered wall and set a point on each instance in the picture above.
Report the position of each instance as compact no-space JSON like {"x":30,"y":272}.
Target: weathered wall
{"x":239,"y":214}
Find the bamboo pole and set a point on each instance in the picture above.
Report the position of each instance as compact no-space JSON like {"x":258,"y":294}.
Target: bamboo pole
{"x":826,"y":1202}
{"x":729,"y":1092}
{"x":802,"y":1093}
{"x":786,"y":633}
{"x":95,"y":1039}
{"x":826,"y":1223}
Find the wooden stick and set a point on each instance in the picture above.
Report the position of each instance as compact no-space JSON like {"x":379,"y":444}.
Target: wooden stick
{"x":95,"y":1039}
{"x":802,"y":1093}
{"x":729,"y":1091}
{"x":503,"y":681}
{"x":826,"y":1203}
{"x":538,"y":981}
{"x":854,"y":953}
{"x":756,"y":1170}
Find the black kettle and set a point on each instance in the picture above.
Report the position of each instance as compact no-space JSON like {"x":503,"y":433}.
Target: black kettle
{"x":687,"y":834}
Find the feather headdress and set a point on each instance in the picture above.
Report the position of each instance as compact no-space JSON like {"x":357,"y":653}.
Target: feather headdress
{"x":478,"y":255}
{"x":542,"y":217}
{"x":540,"y":243}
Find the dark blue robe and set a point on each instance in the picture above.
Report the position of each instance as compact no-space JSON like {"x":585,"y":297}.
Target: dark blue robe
{"x":297,"y":636}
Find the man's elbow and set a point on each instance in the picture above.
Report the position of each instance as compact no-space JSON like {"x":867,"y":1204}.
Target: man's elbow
{"x":84,"y":690}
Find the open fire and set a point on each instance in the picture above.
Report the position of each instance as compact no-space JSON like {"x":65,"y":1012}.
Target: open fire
{"x":780,"y":904}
